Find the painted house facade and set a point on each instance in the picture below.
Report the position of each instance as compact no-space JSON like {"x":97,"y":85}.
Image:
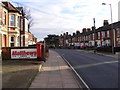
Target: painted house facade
{"x":13,"y":26}
{"x":24,"y":34}
{"x":4,"y":25}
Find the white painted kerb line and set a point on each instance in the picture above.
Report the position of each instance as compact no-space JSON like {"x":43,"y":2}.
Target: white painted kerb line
{"x":77,"y":74}
{"x":40,"y":67}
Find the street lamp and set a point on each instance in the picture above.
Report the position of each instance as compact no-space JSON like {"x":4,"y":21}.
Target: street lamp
{"x":111,"y":26}
{"x":94,"y":36}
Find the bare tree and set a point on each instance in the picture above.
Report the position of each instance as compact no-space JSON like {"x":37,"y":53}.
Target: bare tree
{"x":27,"y":14}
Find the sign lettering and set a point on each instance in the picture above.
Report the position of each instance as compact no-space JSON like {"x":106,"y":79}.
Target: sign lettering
{"x":23,"y":53}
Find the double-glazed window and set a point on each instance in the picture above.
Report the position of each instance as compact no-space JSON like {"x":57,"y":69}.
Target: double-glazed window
{"x":12,"y":20}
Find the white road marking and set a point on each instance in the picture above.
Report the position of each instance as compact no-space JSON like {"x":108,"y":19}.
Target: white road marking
{"x":77,"y":74}
{"x":40,"y":67}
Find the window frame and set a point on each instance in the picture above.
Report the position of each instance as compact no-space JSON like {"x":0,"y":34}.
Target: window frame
{"x":4,"y":18}
{"x":12,"y":20}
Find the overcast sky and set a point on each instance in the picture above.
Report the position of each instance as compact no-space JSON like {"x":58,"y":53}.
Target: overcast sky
{"x":60,"y":16}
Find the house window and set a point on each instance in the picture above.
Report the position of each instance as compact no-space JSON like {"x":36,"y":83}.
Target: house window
{"x":4,"y":18}
{"x":21,"y":24}
{"x":98,"y":35}
{"x":108,"y":34}
{"x":89,"y":37}
{"x":18,"y":21}
{"x":84,"y":38}
{"x":103,"y":34}
{"x":93,"y":36}
{"x":118,"y":42}
{"x":12,"y":38}
{"x":12,"y":41}
{"x":12,"y":20}
{"x":118,"y":32}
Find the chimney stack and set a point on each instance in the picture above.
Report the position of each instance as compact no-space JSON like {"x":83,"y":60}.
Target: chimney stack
{"x":84,"y":30}
{"x":77,"y":32}
{"x":88,"y":29}
{"x":66,"y":33}
{"x":105,"y":22}
{"x":73,"y":34}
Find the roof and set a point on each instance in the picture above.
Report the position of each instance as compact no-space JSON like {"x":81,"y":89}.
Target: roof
{"x":10,"y":7}
{"x":108,"y":27}
{"x":19,"y":8}
{"x":103,"y":28}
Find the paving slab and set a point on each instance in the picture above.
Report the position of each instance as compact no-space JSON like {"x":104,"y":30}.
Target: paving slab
{"x":55,"y":74}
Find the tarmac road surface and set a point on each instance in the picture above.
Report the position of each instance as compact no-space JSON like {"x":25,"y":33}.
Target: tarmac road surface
{"x":97,"y":71}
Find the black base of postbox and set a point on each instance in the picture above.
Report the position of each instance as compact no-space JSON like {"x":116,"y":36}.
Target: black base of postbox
{"x":41,"y":59}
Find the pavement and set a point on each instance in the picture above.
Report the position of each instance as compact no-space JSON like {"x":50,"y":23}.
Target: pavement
{"x":55,"y":73}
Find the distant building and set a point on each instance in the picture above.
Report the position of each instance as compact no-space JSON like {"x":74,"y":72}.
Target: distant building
{"x":31,"y":39}
{"x":119,"y":11}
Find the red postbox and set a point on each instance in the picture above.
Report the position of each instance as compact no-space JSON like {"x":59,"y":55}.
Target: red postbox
{"x":40,"y":51}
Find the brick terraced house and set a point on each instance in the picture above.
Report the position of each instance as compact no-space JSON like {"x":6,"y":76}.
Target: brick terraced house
{"x":99,"y":37}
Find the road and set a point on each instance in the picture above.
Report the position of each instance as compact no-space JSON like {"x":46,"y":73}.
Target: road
{"x":97,"y":71}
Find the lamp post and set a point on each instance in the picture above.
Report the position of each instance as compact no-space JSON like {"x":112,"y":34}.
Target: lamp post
{"x":111,"y":26}
{"x":94,"y":36}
